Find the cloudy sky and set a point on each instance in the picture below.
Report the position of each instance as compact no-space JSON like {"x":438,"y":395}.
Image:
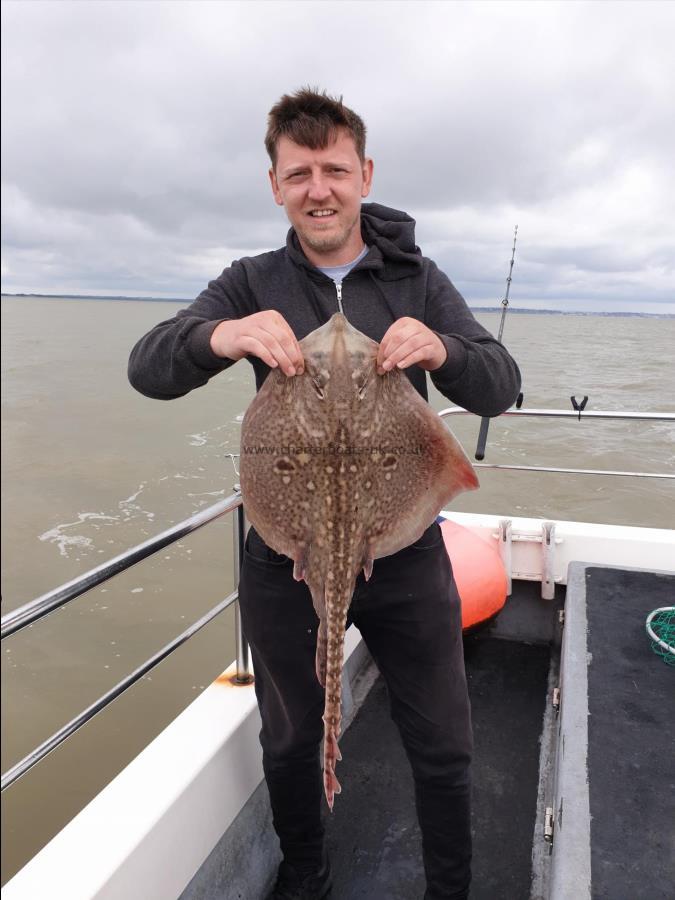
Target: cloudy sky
{"x":133,"y":159}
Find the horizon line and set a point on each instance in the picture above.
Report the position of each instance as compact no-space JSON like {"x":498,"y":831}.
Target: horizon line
{"x":479,"y":307}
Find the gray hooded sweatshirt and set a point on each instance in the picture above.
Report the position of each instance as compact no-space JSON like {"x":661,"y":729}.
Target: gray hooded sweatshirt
{"x":391,"y":281}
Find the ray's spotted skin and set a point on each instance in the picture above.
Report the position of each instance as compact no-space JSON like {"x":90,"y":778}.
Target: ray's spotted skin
{"x":341,"y":466}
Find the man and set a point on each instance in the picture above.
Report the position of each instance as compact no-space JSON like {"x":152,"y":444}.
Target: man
{"x":361,"y":259}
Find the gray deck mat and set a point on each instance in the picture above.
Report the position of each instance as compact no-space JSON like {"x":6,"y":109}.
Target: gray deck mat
{"x":373,"y":837}
{"x":631,"y":738}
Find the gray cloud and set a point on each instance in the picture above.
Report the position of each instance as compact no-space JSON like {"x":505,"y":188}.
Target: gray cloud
{"x":133,"y":159}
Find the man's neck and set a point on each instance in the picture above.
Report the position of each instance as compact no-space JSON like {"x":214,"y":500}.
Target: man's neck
{"x":334,"y":257}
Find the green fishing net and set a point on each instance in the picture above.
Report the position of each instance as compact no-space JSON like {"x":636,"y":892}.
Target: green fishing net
{"x":660,"y":627}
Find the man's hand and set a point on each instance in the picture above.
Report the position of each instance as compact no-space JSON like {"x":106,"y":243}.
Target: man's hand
{"x":408,"y":342}
{"x":266,"y":335}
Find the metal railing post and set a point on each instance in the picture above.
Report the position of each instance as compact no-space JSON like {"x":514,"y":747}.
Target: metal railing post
{"x":244,"y":674}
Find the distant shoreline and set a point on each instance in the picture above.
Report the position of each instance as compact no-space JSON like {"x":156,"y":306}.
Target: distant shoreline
{"x":100,"y":297}
{"x":481,"y":309}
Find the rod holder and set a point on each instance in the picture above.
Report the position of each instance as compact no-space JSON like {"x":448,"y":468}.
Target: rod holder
{"x":482,"y":438}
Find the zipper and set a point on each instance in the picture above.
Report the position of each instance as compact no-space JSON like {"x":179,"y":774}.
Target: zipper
{"x":338,"y":288}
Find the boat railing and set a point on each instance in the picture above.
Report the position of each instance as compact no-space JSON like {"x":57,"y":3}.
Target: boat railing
{"x":31,"y":612}
{"x":578,"y":414}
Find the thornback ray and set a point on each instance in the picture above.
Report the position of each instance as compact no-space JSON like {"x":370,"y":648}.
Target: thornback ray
{"x":341,"y":466}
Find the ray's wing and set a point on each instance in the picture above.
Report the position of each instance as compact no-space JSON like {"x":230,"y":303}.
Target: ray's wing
{"x":422,"y":467}
{"x":277,"y":476}
{"x":281,"y":476}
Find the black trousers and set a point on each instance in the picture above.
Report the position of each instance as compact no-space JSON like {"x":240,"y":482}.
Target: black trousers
{"x":409,"y":616}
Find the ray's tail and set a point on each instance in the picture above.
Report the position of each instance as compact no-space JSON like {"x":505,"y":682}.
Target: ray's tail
{"x":331,"y":667}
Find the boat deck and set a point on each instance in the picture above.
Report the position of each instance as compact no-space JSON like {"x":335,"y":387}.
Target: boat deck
{"x":373,"y":837}
{"x":604,"y":764}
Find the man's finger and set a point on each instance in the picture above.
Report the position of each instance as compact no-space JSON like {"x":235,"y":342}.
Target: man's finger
{"x":280,"y":332}
{"x":399,"y":332}
{"x":259,"y":340}
{"x":251,"y":345}
{"x":404,"y":348}
{"x":415,"y":357}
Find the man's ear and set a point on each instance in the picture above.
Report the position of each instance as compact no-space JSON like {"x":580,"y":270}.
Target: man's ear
{"x":275,"y":188}
{"x":367,"y":170}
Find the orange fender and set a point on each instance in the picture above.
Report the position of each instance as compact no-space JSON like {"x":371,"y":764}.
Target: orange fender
{"x":479,"y":574}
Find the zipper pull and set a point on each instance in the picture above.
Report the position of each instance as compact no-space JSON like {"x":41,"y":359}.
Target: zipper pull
{"x":338,"y":288}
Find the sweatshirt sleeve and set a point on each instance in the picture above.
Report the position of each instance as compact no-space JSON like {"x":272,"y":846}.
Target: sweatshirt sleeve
{"x":175,"y":356}
{"x":479,"y":374}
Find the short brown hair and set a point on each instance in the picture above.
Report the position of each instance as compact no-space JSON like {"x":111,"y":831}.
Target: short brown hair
{"x":311,"y":118}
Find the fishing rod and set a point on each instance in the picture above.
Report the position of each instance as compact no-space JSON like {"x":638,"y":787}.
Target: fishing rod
{"x":485,"y":421}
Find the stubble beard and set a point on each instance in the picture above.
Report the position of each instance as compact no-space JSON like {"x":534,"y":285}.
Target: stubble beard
{"x":331,"y":242}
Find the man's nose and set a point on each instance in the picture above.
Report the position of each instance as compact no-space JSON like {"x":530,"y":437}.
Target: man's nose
{"x":319,"y":188}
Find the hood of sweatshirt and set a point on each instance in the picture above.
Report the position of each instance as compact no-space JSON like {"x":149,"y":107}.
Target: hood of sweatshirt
{"x":390,"y":234}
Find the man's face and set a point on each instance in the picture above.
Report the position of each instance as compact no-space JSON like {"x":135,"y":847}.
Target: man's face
{"x":321,"y":191}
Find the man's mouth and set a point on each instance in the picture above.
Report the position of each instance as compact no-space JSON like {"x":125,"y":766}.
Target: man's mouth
{"x":322,"y":213}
